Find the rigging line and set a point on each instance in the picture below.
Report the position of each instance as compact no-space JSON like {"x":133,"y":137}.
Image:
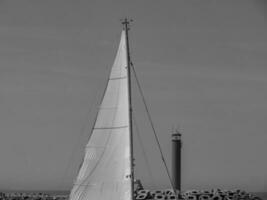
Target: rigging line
{"x":97,"y":103}
{"x":94,"y":168}
{"x":143,"y":150}
{"x":92,"y":129}
{"x":152,"y":125}
{"x":82,"y":131}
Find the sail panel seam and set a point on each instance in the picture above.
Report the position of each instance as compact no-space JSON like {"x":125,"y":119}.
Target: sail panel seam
{"x":118,"y":78}
{"x":116,"y":127}
{"x":108,"y":108}
{"x":95,"y":147}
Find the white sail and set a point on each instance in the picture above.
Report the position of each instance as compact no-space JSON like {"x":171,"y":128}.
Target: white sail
{"x":105,"y":172}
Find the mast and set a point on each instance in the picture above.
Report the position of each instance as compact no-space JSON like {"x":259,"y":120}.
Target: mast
{"x":125,"y":24}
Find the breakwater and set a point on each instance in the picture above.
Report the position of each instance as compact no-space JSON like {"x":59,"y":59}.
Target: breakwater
{"x":215,"y":194}
{"x":143,"y":194}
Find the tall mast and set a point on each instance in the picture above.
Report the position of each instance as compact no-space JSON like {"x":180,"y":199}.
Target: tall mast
{"x":125,"y":24}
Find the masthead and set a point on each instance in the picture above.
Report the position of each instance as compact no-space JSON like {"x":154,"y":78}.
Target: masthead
{"x":126,"y":22}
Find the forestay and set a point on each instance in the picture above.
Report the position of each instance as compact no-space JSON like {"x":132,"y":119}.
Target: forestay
{"x":105,"y":172}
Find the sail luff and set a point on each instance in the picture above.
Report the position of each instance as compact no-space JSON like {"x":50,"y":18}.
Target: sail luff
{"x":106,"y":169}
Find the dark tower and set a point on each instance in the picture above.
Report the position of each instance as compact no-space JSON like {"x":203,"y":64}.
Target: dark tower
{"x":176,"y":160}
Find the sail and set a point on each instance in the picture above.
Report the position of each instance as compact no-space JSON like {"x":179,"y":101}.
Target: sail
{"x":105,"y":171}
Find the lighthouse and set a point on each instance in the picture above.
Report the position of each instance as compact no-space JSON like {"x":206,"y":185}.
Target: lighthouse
{"x":176,"y":160}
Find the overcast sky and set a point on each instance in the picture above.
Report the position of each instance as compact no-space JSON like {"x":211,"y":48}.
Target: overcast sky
{"x":202,"y":65}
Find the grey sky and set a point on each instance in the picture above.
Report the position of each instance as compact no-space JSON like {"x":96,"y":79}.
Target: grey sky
{"x":202,"y":65}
